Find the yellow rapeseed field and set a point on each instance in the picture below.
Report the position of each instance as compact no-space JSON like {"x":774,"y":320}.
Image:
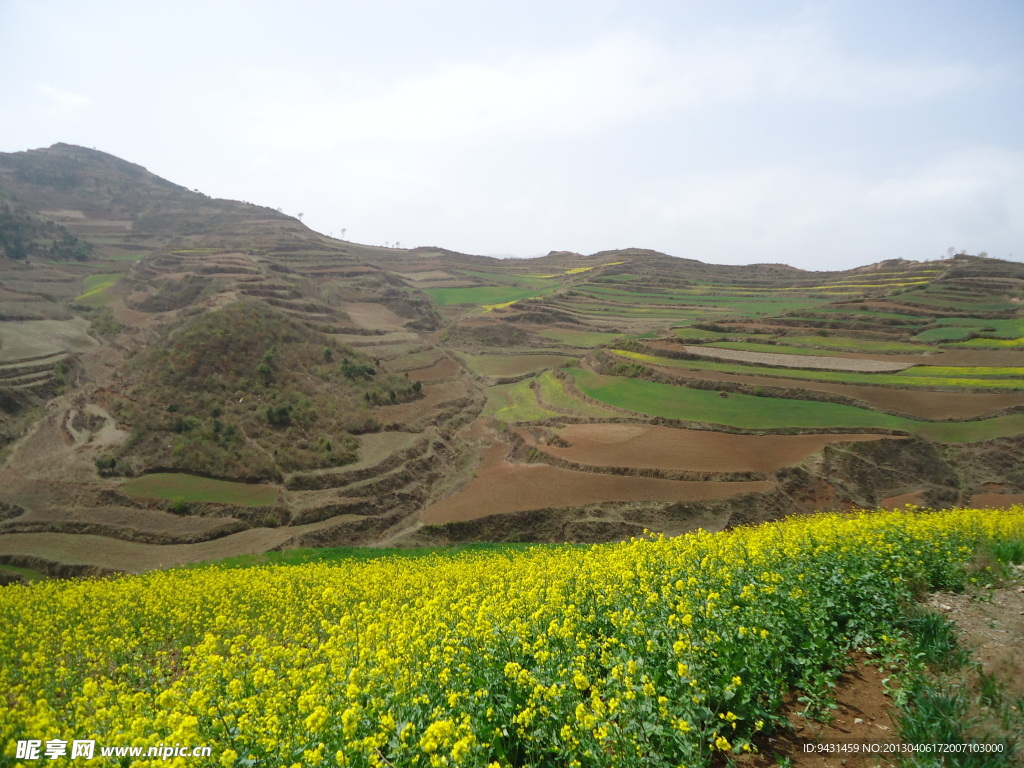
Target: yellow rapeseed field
{"x":652,"y":653}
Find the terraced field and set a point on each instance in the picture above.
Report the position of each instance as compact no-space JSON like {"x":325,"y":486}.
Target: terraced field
{"x":392,"y":396}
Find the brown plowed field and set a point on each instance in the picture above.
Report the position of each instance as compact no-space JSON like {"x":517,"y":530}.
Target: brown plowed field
{"x":897,"y":502}
{"x":656,"y":447}
{"x":143,"y":520}
{"x":444,"y":368}
{"x":513,"y":365}
{"x":375,"y":317}
{"x":830,"y":363}
{"x":996,"y":500}
{"x":918,"y":403}
{"x":433,"y":396}
{"x":135,"y":557}
{"x":501,"y":487}
{"x":950,"y":357}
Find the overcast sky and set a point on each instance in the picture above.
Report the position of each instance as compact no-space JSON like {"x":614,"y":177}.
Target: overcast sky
{"x":821,"y":134}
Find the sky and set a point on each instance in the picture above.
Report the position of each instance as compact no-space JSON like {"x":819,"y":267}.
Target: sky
{"x":825,"y":135}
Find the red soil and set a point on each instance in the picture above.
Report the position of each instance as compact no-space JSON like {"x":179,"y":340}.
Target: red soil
{"x":444,"y":368}
{"x":656,"y":447}
{"x":500,"y":487}
{"x":919,"y":403}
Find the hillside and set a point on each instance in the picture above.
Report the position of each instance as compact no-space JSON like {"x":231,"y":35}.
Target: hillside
{"x":184,"y":378}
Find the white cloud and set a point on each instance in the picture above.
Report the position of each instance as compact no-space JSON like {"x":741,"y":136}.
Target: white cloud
{"x":63,"y":104}
{"x":622,"y":78}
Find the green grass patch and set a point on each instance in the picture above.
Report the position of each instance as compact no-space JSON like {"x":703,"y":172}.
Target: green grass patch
{"x":750,"y":412}
{"x":945,"y":334}
{"x":581,"y":338}
{"x":917,"y":376}
{"x":342,"y":555}
{"x":527,"y":281}
{"x":515,"y":402}
{"x":965,"y":372}
{"x":479,"y":295}
{"x":991,"y":343}
{"x":95,"y":288}
{"x":27,"y":573}
{"x":744,"y":411}
{"x":175,"y":486}
{"x":552,"y":390}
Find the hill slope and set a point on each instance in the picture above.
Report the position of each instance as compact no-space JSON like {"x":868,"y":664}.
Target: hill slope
{"x":377,"y":395}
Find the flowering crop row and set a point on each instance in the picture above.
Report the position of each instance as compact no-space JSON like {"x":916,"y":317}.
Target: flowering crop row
{"x":644,"y":653}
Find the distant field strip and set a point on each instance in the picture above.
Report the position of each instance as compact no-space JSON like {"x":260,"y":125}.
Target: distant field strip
{"x":992,"y":343}
{"x":96,"y":285}
{"x":850,"y":344}
{"x":921,"y":377}
{"x":581,"y":338}
{"x":797,"y":361}
{"x":485,"y":294}
{"x":180,"y":487}
{"x":513,"y":365}
{"x":750,"y":412}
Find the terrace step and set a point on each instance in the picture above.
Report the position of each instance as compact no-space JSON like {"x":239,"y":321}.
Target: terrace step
{"x":11,"y":376}
{"x":50,"y":359}
{"x":340,"y":477}
{"x":27,"y":381}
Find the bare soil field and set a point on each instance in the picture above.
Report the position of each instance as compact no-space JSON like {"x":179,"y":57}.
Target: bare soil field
{"x":513,"y":365}
{"x":433,"y":396}
{"x":375,"y":317}
{"x":800,"y":361}
{"x":996,"y":500}
{"x":423,"y":358}
{"x":959,"y":357}
{"x":901,"y":500}
{"x":657,"y":447}
{"x":147,"y":521}
{"x":33,"y":338}
{"x":135,"y":557}
{"x":918,"y":403}
{"x":500,"y":487}
{"x":444,"y":368}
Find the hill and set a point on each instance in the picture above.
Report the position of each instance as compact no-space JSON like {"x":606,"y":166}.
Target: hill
{"x":184,"y":378}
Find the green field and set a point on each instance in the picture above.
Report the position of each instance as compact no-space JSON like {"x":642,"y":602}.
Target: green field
{"x":26,"y":573}
{"x":96,"y":286}
{"x":581,"y":338}
{"x":480,"y":295}
{"x":175,"y":486}
{"x":526,"y":281}
{"x":344,"y":555}
{"x":992,"y":343}
{"x":514,"y":402}
{"x":553,"y":392}
{"x":749,"y":412}
{"x":944,"y":334}
{"x":918,"y":376}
